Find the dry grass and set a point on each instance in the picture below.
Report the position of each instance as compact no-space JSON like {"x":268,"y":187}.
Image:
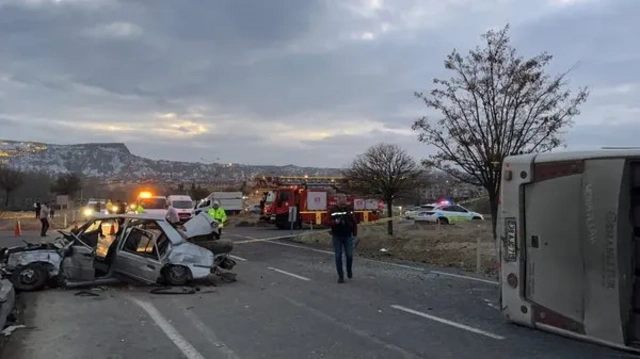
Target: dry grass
{"x":30,"y":224}
{"x":16,"y":215}
{"x":28,"y":220}
{"x":445,"y":246}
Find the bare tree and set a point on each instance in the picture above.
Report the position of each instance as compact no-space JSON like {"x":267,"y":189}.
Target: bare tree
{"x":384,"y":170}
{"x":67,"y":184}
{"x":10,"y":180}
{"x":495,"y":104}
{"x":198,"y":192}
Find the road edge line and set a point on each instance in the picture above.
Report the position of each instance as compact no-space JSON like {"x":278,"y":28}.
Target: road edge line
{"x":289,"y":274}
{"x":448,"y":322}
{"x":238,"y":258}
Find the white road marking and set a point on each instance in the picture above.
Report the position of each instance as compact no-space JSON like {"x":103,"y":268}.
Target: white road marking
{"x":255,"y":240}
{"x":207,"y":333}
{"x":448,"y":322}
{"x":237,"y":258}
{"x":301,"y":247}
{"x":273,"y":240}
{"x":289,"y":274}
{"x":185,"y":347}
{"x":466,"y":277}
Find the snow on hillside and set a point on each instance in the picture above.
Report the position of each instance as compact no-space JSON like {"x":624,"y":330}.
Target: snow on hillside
{"x":114,"y":161}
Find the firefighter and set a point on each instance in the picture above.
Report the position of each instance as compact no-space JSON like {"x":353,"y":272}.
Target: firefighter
{"x":218,"y":214}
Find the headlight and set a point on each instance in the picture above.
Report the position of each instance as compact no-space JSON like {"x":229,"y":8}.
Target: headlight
{"x":88,"y":211}
{"x":133,"y":206}
{"x":114,"y":208}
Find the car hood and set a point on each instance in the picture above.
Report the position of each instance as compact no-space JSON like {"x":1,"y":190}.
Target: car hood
{"x":200,"y":225}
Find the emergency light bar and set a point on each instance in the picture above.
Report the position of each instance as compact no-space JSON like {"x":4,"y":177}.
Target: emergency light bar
{"x":145,"y":194}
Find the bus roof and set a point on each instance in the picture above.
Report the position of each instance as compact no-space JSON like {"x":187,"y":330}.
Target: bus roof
{"x":574,"y":155}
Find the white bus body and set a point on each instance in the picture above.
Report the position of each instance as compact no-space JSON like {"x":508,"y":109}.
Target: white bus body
{"x":569,"y":244}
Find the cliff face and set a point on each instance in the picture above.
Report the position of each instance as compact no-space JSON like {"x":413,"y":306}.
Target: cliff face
{"x":114,"y":161}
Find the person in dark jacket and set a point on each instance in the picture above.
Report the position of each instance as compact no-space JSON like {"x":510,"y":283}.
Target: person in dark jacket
{"x":344,"y":228}
{"x":36,"y":208}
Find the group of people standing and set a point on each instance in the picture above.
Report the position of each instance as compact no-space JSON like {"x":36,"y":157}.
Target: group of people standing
{"x":44,"y":211}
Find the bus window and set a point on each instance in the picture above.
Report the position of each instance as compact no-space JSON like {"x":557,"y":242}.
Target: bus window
{"x":569,"y":244}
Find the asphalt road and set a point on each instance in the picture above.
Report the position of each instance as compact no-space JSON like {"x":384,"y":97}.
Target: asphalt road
{"x":287,"y":304}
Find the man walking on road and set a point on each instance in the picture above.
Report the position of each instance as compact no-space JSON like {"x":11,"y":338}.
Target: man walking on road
{"x":344,"y":227}
{"x":44,"y":220}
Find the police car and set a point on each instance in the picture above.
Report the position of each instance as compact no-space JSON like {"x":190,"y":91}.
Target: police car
{"x":416,"y":211}
{"x":447,"y":212}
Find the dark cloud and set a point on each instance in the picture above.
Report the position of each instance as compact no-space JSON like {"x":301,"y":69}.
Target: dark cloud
{"x":281,"y":81}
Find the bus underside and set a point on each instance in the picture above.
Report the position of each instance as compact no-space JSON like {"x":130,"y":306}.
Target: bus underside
{"x":576,"y":270}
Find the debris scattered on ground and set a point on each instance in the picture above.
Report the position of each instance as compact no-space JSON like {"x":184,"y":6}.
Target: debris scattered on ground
{"x":10,"y":329}
{"x":85,"y":293}
{"x":174,"y":290}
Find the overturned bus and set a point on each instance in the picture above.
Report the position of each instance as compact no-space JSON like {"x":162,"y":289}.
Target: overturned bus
{"x":569,"y":244}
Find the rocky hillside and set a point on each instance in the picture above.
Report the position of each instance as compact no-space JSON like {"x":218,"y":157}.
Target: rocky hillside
{"x":114,"y":162}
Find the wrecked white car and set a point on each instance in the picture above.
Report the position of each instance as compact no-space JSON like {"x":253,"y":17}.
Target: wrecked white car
{"x":142,"y":247}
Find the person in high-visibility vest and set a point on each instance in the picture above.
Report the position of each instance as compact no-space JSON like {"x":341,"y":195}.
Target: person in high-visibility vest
{"x":140,"y":208}
{"x":218,"y":214}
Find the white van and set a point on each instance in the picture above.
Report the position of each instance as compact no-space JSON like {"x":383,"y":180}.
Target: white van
{"x":183,"y":205}
{"x":231,"y":202}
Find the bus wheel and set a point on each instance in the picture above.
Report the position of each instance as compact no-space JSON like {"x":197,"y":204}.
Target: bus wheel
{"x":443,"y":221}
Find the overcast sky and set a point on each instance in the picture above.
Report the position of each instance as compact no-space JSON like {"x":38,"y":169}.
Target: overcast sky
{"x":308,"y":82}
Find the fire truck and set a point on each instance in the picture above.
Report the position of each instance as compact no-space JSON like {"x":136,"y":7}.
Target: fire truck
{"x":312,"y":197}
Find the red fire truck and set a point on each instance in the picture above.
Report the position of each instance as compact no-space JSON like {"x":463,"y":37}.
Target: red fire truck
{"x":312,"y":197}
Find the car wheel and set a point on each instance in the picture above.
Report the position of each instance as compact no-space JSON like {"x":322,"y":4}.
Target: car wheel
{"x":443,"y":220}
{"x":177,"y":275}
{"x":30,"y":278}
{"x":476,"y":218}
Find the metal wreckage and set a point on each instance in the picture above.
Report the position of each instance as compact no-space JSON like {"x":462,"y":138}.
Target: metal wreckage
{"x":144,"y":248}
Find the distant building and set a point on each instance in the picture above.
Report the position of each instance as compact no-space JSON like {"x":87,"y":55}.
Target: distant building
{"x":449,"y":188}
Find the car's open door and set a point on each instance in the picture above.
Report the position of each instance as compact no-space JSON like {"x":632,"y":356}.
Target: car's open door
{"x":137,"y":256}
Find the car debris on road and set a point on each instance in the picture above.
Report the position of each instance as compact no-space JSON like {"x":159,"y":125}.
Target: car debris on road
{"x":140,"y":247}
